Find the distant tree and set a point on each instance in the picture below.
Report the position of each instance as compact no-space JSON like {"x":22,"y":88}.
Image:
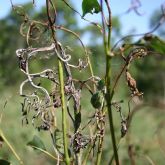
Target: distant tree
{"x":150,"y":75}
{"x":155,"y":17}
{"x":152,"y":83}
{"x":11,"y":39}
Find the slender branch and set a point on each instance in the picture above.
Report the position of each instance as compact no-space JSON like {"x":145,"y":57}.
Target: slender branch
{"x":49,"y":18}
{"x":99,"y":150}
{"x":89,"y":149}
{"x":47,"y":153}
{"x":101,"y":128}
{"x":117,"y":79}
{"x":161,"y":21}
{"x":11,"y":148}
{"x":93,"y":23}
{"x":109,"y":24}
{"x":1,"y":114}
{"x":86,"y":53}
{"x":55,"y":148}
{"x":147,"y":158}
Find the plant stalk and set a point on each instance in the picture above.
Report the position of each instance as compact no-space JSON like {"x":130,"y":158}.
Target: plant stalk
{"x":64,"y":112}
{"x":99,"y":151}
{"x":109,"y":94}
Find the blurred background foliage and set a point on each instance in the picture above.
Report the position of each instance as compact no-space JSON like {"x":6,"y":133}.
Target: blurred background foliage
{"x":149,"y":73}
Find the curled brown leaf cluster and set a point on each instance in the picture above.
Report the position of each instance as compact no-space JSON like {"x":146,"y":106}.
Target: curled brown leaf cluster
{"x":132,"y":85}
{"x":134,"y":54}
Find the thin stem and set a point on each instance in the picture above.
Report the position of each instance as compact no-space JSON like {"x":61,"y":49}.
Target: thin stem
{"x":99,"y":151}
{"x":55,"y":149}
{"x":109,"y":107}
{"x":93,"y":23}
{"x":109,"y":95}
{"x":1,"y":115}
{"x":100,"y":141}
{"x":64,"y":112}
{"x":109,"y":26}
{"x":86,"y":52}
{"x":118,"y":77}
{"x":78,"y":158}
{"x":11,"y":148}
{"x":101,"y":126}
{"x":161,"y":21}
{"x":47,"y":153}
{"x":90,"y":147}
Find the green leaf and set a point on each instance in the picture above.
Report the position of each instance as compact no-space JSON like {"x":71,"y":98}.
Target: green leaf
{"x":157,"y":45}
{"x":4,"y":162}
{"x":96,"y":100}
{"x":100,"y":85}
{"x":36,"y":142}
{"x":153,"y":43}
{"x":90,"y":6}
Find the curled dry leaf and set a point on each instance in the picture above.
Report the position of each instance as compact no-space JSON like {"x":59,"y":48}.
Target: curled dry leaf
{"x":132,"y":85}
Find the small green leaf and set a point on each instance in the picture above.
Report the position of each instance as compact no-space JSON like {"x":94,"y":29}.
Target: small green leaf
{"x":157,"y":45}
{"x":90,"y":6}
{"x":96,"y":100}
{"x":36,"y":142}
{"x":100,"y":85}
{"x":4,"y":162}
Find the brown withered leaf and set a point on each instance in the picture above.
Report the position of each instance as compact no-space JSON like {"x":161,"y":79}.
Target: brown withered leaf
{"x":132,"y":85}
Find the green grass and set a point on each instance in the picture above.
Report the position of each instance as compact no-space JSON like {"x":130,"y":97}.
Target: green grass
{"x":143,"y":134}
{"x":19,"y":135}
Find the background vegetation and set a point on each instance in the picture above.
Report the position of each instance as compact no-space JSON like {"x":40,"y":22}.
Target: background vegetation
{"x":144,"y":142}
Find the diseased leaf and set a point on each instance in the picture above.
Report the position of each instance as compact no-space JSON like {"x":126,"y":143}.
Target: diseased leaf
{"x":36,"y":142}
{"x":96,"y":100}
{"x":4,"y":162}
{"x":90,"y":6}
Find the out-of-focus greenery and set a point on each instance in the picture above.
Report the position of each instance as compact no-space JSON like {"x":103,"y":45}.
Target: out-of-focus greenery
{"x":144,"y":136}
{"x":150,"y":73}
{"x":157,"y":14}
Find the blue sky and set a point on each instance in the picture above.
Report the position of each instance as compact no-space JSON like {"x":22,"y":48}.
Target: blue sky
{"x":118,"y":7}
